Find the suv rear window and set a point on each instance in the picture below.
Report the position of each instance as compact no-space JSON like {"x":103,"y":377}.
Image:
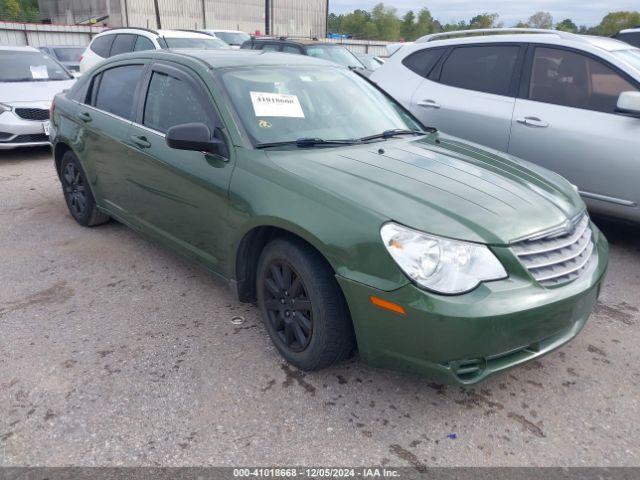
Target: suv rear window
{"x":116,"y":90}
{"x":102,"y":45}
{"x":486,"y":68}
{"x":423,"y":61}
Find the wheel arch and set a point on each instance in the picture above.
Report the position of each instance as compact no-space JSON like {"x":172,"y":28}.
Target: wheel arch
{"x":250,"y":247}
{"x":59,"y":150}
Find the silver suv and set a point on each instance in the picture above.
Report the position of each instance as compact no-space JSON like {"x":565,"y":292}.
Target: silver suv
{"x":568,"y":102}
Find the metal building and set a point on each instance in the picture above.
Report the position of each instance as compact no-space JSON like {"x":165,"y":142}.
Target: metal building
{"x":307,"y":18}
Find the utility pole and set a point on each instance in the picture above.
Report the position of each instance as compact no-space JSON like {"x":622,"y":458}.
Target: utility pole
{"x":267,"y":17}
{"x":155,"y":5}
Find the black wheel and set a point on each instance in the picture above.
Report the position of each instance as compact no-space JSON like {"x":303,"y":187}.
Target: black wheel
{"x":77,"y":193}
{"x":302,"y":306}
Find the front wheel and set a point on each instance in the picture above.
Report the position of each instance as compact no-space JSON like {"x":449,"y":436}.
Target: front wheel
{"x":77,"y":193}
{"x":302,"y":306}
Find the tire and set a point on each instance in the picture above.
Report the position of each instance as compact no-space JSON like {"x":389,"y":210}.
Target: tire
{"x":302,"y":306}
{"x":77,"y":193}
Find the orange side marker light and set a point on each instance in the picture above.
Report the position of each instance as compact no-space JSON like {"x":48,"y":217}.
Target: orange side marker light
{"x":387,"y":305}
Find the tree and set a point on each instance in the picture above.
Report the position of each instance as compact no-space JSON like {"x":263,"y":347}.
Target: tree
{"x":485,"y":20}
{"x":425,"y":24}
{"x":408,"y":26}
{"x":10,"y":10}
{"x":333,"y":23}
{"x":541,"y":20}
{"x":522,"y":24}
{"x":616,"y":21}
{"x":386,"y":23}
{"x":567,"y":25}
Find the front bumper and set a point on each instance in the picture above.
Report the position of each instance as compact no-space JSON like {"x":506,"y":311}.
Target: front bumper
{"x":18,"y":132}
{"x":466,"y":338}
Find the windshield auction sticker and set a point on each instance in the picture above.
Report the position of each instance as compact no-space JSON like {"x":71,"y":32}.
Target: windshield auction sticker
{"x":39,"y":72}
{"x":276,"y":105}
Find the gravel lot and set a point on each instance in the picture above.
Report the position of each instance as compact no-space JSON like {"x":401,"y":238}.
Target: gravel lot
{"x":114,"y":351}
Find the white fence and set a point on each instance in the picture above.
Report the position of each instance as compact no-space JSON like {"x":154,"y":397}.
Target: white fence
{"x":37,"y":34}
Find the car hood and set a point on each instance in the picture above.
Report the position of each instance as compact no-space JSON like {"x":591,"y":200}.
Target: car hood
{"x":441,"y":185}
{"x":30,"y":92}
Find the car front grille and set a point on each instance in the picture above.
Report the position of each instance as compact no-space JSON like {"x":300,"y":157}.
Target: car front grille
{"x":39,"y":114}
{"x":558,"y":258}
{"x":27,"y":138}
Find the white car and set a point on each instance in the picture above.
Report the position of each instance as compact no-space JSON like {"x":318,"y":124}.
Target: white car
{"x":234,"y":38}
{"x":123,"y":40}
{"x":570,"y":103}
{"x":29,"y":79}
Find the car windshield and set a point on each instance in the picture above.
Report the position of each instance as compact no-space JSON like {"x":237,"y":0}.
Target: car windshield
{"x":287,"y":104}
{"x":68,"y":54}
{"x":370,"y":62}
{"x":631,"y":56}
{"x":199,"y":43}
{"x":233,"y":38}
{"x":20,"y":66}
{"x":335,"y":54}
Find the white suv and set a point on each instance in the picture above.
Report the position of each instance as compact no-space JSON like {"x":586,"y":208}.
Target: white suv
{"x":570,"y":103}
{"x":123,"y":40}
{"x":630,"y":35}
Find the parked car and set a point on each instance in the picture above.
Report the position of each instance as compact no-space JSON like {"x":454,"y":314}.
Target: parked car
{"x":570,"y":103}
{"x":234,"y":38}
{"x":124,"y":40}
{"x":303,"y":46}
{"x":371,"y":62}
{"x":67,"y":55}
{"x":630,"y":36}
{"x":309,"y":190}
{"x":29,"y":79}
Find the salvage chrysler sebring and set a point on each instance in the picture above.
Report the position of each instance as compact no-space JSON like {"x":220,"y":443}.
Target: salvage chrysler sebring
{"x":313,"y":193}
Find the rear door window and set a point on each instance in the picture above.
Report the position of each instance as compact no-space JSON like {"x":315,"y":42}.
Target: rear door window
{"x":123,"y":44}
{"x":102,"y":45}
{"x":486,"y":68}
{"x":423,"y":61}
{"x":172,"y":101}
{"x":564,"y":77}
{"x":116,"y":90}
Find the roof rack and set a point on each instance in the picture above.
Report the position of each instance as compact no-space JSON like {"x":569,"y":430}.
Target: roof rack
{"x":495,"y":31}
{"x":155,"y":32}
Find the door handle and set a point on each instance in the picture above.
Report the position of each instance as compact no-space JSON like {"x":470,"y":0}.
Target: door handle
{"x":428,"y":103}
{"x":140,"y":141}
{"x":533,"y":122}
{"x":85,"y":117}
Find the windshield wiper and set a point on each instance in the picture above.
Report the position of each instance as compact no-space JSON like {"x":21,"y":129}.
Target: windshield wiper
{"x":308,"y":142}
{"x":392,"y":133}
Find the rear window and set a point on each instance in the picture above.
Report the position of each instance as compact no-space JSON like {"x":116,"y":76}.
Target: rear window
{"x":143,"y":43}
{"x":65,"y":54}
{"x":199,"y":43}
{"x":116,"y":90}
{"x":423,"y":61}
{"x":102,"y":45}
{"x":487,"y":68}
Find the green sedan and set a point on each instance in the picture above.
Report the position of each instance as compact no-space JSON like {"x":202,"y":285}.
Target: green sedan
{"x":311,"y":192}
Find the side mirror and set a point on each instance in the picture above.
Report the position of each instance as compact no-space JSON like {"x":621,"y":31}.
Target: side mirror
{"x":629,"y":104}
{"x":193,"y":136}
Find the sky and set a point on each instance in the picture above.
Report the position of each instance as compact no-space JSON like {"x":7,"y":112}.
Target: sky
{"x":582,"y":12}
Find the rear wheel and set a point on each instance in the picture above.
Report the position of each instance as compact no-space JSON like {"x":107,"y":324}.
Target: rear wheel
{"x":302,"y":306}
{"x":77,"y":193}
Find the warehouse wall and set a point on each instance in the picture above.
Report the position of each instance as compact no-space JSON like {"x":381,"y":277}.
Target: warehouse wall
{"x":288,"y":17}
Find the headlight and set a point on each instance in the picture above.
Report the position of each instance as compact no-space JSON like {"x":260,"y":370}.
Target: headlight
{"x":440,"y":264}
{"x":4,"y":108}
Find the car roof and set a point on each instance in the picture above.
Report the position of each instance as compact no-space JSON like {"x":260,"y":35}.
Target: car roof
{"x":61,"y":46}
{"x":224,"y":31}
{"x":223,"y":58}
{"x":630,"y":30}
{"x":550,"y":37}
{"x":12,"y":48}
{"x":299,"y":41}
{"x":167,"y":33}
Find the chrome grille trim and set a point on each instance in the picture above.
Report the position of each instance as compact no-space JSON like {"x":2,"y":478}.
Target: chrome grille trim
{"x":558,"y":259}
